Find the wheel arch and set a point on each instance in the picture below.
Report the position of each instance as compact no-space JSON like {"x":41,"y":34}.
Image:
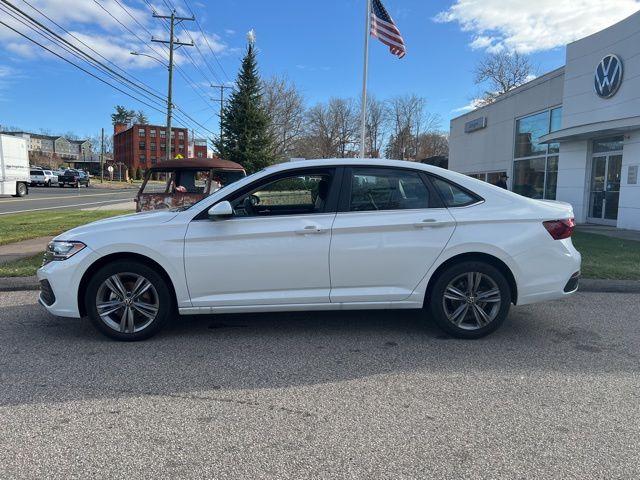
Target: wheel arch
{"x":102,"y":261}
{"x":475,"y":256}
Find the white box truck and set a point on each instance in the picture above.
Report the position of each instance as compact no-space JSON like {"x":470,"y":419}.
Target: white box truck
{"x":14,"y":166}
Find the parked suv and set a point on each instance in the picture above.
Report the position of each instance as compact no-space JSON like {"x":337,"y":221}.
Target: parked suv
{"x":40,"y":176}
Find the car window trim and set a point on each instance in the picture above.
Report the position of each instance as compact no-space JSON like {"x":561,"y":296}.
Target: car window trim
{"x":478,"y":198}
{"x":329,"y":207}
{"x":344,"y":205}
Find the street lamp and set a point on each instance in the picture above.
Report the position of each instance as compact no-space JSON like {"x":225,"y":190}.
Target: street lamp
{"x":138,"y":54}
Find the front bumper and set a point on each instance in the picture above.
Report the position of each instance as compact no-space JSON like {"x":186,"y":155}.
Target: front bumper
{"x":60,"y":282}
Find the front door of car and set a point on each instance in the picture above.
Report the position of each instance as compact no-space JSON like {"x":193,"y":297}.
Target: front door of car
{"x":274,"y":250}
{"x":390,"y":229}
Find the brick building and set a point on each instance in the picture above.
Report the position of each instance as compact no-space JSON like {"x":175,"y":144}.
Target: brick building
{"x":199,"y":148}
{"x":145,"y":145}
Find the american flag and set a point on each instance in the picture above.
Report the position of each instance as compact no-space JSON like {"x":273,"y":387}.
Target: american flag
{"x":384,"y":29}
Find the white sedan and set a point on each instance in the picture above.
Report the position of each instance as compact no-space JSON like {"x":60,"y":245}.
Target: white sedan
{"x":338,"y":234}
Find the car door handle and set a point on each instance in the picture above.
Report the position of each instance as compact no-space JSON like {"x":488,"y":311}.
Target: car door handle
{"x":430,"y":222}
{"x":311,"y":229}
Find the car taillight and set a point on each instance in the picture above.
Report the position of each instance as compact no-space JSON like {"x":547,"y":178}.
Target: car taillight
{"x":560,"y":229}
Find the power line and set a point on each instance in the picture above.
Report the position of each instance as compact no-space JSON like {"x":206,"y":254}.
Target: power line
{"x":78,"y":66}
{"x":204,"y":35}
{"x":60,"y":42}
{"x":64,"y":44}
{"x":89,"y":46}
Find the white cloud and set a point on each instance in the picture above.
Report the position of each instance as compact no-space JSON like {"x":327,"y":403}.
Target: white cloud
{"x":531,"y":26}
{"x":472,"y":105}
{"x":93,"y":26}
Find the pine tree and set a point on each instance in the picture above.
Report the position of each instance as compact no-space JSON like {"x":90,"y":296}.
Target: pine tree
{"x":245,"y":123}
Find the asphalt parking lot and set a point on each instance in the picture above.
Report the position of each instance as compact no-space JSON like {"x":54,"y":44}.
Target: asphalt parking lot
{"x":42,"y":198}
{"x":554,"y":394}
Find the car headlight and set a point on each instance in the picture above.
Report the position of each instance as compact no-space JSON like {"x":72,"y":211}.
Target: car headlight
{"x":61,"y":250}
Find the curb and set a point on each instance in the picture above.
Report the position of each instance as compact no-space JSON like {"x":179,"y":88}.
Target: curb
{"x":591,"y":285}
{"x":18,"y":284}
{"x":609,"y":286}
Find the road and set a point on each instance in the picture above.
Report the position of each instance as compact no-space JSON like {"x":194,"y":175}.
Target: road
{"x":41,"y":198}
{"x":552,"y":394}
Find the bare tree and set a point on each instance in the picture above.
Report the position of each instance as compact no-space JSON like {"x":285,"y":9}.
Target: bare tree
{"x":433,"y":144}
{"x":500,"y":73}
{"x":331,"y":130}
{"x":344,"y":121}
{"x":376,"y":124}
{"x":284,"y":105}
{"x":409,"y":121}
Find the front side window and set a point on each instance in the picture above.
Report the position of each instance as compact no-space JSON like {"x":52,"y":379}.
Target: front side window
{"x":452,"y":195}
{"x":387,"y":189}
{"x":300,"y":194}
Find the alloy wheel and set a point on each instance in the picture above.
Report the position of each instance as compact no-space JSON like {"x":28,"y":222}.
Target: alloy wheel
{"x":127,"y":302}
{"x":472,"y":300}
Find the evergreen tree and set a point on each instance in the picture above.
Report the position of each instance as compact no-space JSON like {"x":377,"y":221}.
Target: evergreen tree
{"x":245,"y":123}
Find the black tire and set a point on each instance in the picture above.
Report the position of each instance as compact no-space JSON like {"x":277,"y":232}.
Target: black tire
{"x":472,"y":323}
{"x":162,"y":294}
{"x":61,"y":185}
{"x":21,"y":189}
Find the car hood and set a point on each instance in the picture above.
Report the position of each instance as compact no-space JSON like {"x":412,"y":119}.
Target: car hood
{"x":119,"y":223}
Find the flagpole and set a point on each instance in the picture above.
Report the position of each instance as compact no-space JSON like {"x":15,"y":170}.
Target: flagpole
{"x":363,"y":118}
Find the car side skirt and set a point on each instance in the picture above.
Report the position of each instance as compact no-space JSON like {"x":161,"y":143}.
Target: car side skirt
{"x":300,"y":307}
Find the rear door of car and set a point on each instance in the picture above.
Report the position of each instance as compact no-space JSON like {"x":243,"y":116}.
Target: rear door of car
{"x":390,"y":228}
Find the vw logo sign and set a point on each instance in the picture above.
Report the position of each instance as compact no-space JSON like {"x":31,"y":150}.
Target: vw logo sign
{"x":608,"y":76}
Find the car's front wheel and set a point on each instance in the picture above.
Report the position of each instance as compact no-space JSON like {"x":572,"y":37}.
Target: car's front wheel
{"x":128,"y":300}
{"x":470,"y":299}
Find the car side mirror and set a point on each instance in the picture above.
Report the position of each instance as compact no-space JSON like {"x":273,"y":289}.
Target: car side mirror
{"x":221,"y":211}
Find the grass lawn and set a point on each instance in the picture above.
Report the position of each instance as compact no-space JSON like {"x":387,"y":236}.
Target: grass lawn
{"x":606,"y":257}
{"x":23,"y":226}
{"x":21,"y":268}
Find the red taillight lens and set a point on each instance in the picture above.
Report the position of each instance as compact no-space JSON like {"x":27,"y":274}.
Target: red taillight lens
{"x":560,"y":229}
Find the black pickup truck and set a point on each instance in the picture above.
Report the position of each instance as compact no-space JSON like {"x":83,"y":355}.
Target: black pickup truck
{"x":74,"y":178}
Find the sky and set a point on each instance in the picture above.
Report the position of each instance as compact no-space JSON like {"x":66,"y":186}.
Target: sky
{"x":316,"y":45}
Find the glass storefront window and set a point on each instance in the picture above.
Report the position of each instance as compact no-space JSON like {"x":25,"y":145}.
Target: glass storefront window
{"x":528,"y":177}
{"x":528,"y":132}
{"x":554,"y":126}
{"x":611,"y":144}
{"x":551,"y":182}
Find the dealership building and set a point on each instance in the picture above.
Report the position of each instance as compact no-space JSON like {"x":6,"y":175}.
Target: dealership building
{"x":572,"y":134}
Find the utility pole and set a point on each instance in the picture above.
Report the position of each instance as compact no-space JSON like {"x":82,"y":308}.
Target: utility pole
{"x":102,"y":157}
{"x":173,"y":43}
{"x":221,"y":100}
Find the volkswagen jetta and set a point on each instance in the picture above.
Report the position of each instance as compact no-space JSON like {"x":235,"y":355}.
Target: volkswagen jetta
{"x":320,"y":235}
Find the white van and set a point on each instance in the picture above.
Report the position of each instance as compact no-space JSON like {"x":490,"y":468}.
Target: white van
{"x":14,"y":166}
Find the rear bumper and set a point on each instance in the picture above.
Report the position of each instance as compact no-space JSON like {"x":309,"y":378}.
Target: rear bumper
{"x":548,"y":272}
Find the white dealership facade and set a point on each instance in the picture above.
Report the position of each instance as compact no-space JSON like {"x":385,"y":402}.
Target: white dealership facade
{"x":572,"y":134}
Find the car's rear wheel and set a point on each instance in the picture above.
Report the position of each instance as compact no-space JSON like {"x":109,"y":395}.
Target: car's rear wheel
{"x":470,"y":299}
{"x":128,"y":300}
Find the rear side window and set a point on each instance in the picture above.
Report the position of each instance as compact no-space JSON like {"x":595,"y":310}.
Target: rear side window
{"x":36,"y":172}
{"x":387,"y":189}
{"x":454,"y":195}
